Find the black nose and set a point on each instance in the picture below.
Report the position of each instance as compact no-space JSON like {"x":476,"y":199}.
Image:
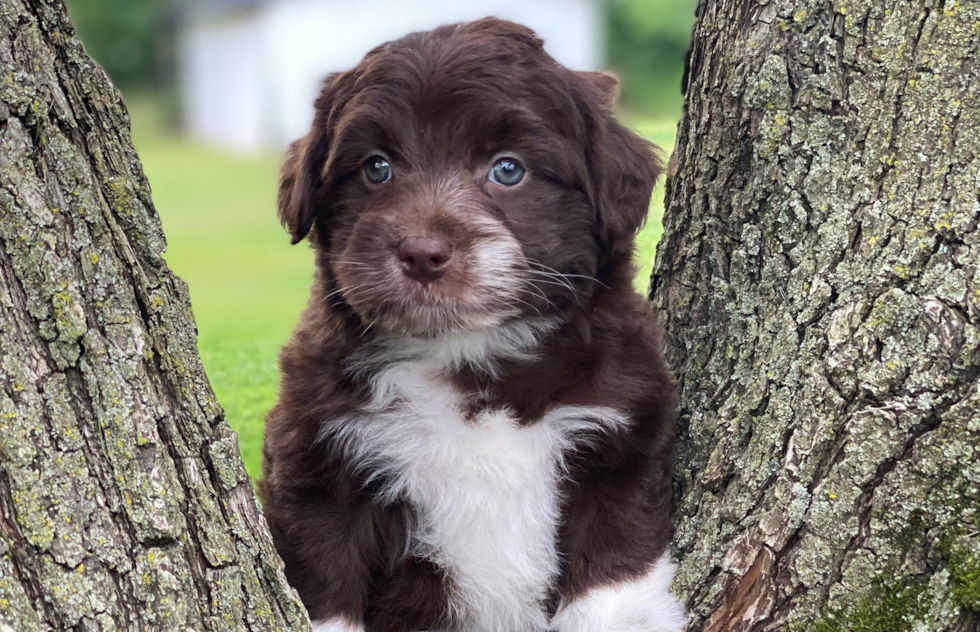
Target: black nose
{"x":424,"y":258}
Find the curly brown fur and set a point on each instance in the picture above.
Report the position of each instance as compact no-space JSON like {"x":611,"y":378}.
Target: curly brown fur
{"x":533,"y":321}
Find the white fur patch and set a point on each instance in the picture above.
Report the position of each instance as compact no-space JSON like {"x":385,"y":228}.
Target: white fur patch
{"x":480,"y":350}
{"x":485,"y":488}
{"x":337,"y":624}
{"x":641,"y":605}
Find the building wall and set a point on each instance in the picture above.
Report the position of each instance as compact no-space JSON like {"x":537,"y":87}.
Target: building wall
{"x":222,"y":76}
{"x":263,"y":69}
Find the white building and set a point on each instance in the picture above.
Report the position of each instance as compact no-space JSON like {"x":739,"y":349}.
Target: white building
{"x":250,"y":69}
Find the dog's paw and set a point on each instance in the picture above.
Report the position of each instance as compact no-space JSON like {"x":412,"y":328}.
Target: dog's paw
{"x":337,"y":624}
{"x":644,"y":604}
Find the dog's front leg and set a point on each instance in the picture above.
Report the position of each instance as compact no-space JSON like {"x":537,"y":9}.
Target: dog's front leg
{"x":641,"y":604}
{"x":616,"y":574}
{"x":331,"y":549}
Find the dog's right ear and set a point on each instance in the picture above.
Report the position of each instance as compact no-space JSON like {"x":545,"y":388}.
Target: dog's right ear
{"x":302,"y":171}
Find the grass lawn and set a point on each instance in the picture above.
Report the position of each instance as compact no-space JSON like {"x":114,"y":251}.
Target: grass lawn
{"x":247,"y":284}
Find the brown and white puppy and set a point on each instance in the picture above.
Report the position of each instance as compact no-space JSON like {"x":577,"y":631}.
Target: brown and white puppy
{"x":474,"y":425}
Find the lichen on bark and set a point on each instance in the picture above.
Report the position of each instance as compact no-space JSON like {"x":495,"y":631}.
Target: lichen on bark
{"x":124,"y":504}
{"x":819,"y":279}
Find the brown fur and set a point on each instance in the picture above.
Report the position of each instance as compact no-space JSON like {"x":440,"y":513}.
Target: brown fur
{"x":441,"y":105}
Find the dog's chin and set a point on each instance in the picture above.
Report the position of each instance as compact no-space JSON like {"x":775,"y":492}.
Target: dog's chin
{"x":431,"y":322}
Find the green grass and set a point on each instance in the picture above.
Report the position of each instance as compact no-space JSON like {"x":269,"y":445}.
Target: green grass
{"x":662,"y":133}
{"x":247,"y":284}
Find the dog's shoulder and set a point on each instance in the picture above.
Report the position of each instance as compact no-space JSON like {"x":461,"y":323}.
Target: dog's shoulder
{"x":312,"y":387}
{"x":620,"y":350}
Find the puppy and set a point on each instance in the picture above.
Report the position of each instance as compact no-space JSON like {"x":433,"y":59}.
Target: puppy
{"x":474,"y":423}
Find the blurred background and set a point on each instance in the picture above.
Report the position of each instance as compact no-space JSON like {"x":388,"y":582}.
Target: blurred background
{"x":216,"y":89}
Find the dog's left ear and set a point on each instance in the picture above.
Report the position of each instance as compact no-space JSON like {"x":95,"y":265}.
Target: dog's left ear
{"x":625,"y":168}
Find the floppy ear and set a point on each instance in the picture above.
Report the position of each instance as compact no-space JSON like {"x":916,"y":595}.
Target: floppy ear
{"x":625,"y":168}
{"x":301,"y":173}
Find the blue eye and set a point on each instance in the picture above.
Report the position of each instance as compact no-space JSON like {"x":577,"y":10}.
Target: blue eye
{"x":377,"y":170}
{"x":507,"y":172}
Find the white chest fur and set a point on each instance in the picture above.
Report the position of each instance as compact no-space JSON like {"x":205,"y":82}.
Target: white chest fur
{"x":485,"y":488}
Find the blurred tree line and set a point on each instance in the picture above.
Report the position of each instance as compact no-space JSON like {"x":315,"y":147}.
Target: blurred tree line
{"x":646,"y":42}
{"x":646,"y":39}
{"x":131,"y":39}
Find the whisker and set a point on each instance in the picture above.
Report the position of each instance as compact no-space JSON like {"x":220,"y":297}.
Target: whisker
{"x":585,"y":276}
{"x":367,"y":329}
{"x":369,"y":293}
{"x":559,"y":284}
{"x":338,"y":291}
{"x":556,"y":279}
{"x":564,"y":274}
{"x":522,"y":301}
{"x":540,"y":293}
{"x":529,"y":285}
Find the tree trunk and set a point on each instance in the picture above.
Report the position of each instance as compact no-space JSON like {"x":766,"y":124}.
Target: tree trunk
{"x":124,"y":504}
{"x":819,"y":278}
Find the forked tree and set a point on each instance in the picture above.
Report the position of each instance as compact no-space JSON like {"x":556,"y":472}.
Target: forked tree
{"x":819,"y":279}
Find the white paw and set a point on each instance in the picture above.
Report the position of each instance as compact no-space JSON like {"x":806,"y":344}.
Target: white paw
{"x":644,"y":604}
{"x":337,"y":624}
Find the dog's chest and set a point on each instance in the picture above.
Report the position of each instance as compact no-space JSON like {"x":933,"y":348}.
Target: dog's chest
{"x":485,"y":489}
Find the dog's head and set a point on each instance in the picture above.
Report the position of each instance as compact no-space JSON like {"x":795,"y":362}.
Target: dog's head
{"x":460,"y":178}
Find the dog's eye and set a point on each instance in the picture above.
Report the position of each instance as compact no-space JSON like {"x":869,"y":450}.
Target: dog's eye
{"x":377,"y":170}
{"x":507,"y":172}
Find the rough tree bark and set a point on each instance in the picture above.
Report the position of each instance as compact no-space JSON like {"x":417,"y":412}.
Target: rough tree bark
{"x":124,"y":504}
{"x":820,"y":281}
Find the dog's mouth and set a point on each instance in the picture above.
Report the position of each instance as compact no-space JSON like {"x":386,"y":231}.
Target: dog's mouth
{"x":427,"y":289}
{"x":429,"y":321}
